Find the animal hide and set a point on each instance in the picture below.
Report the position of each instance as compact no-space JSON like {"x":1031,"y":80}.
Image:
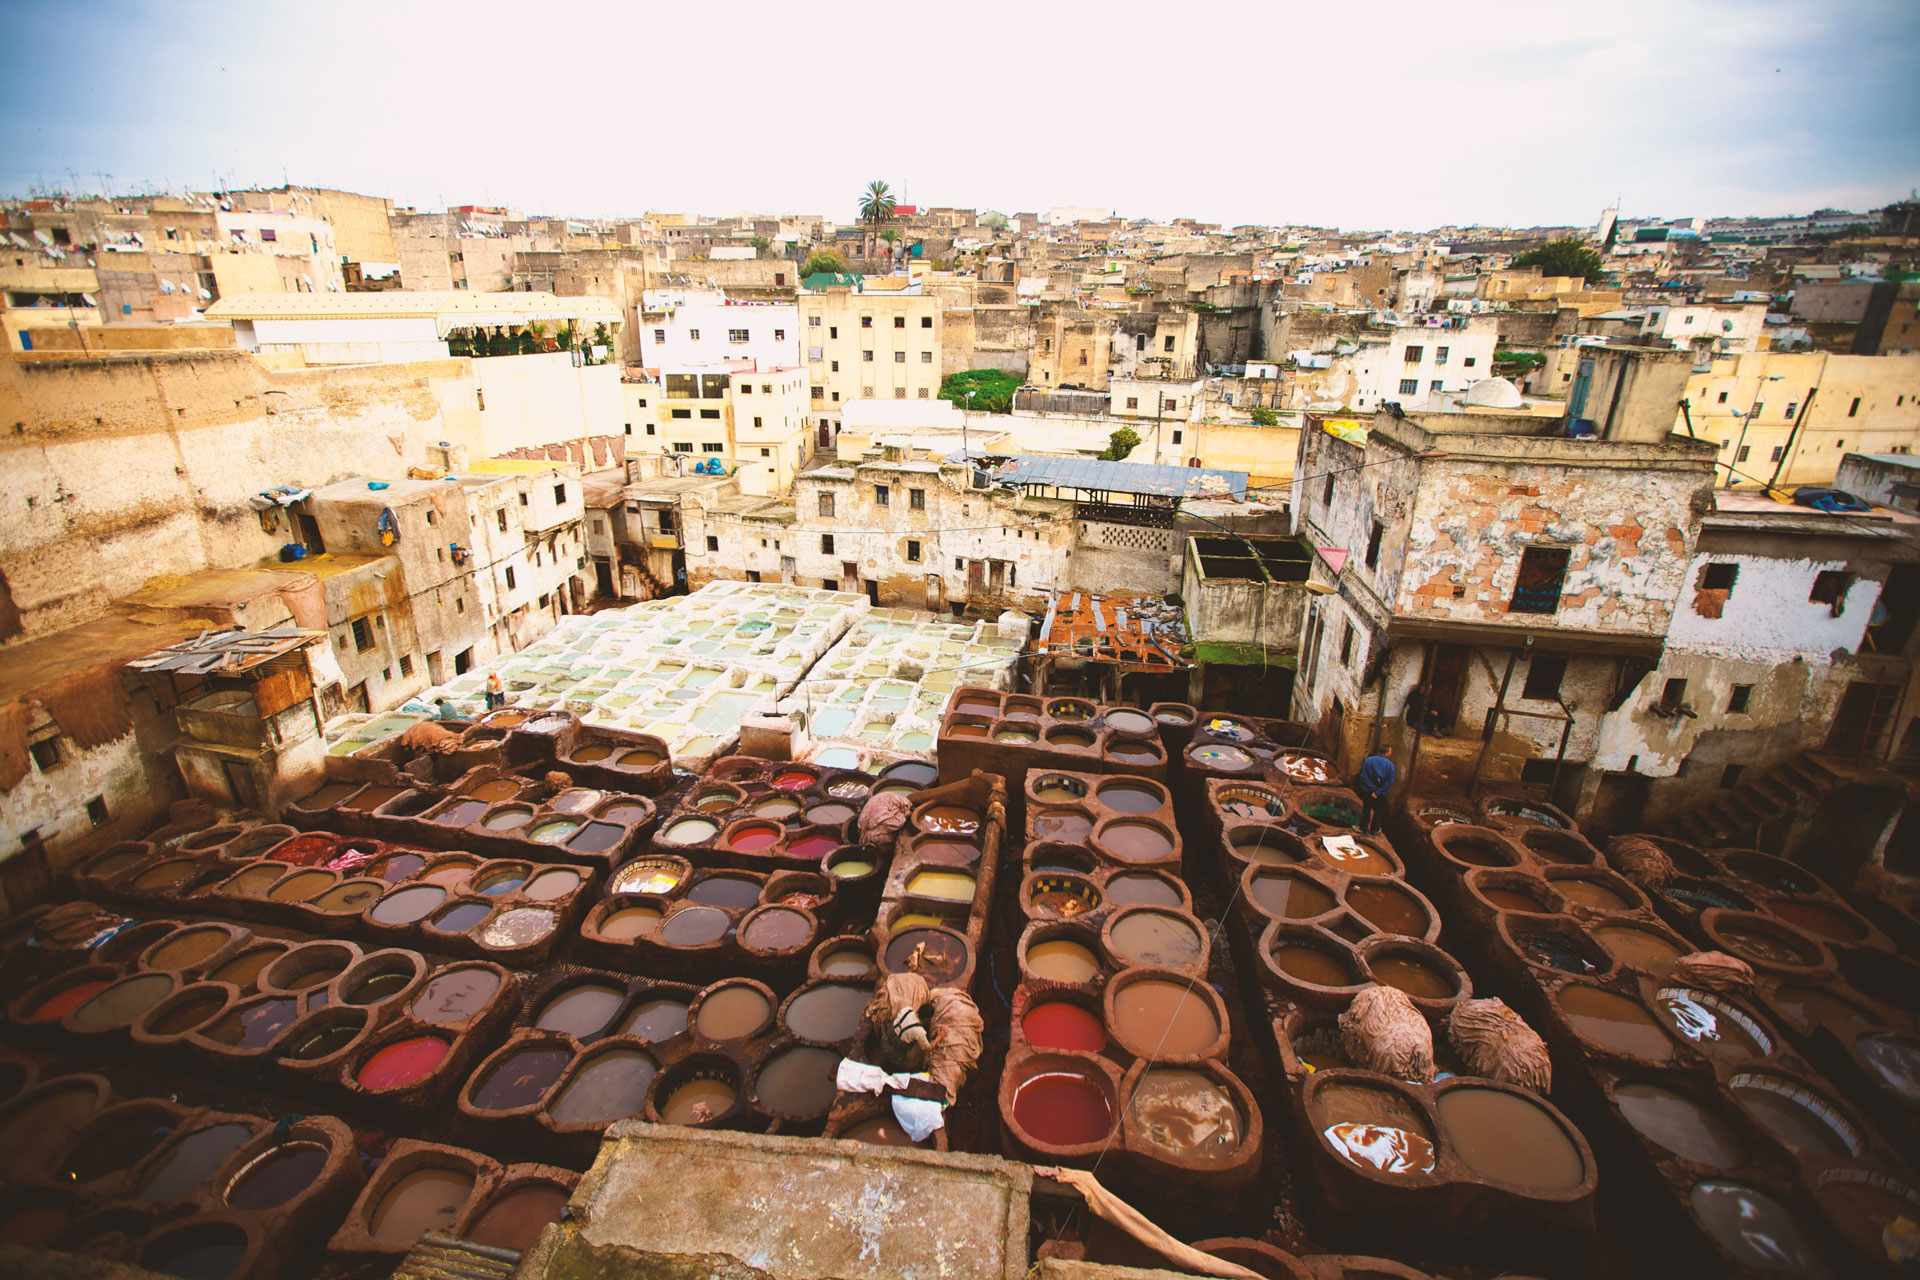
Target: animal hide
{"x":90,"y":706}
{"x":1714,"y":970}
{"x":1383,"y":1031}
{"x":14,"y":719}
{"x":1640,"y":860}
{"x":1494,"y":1041}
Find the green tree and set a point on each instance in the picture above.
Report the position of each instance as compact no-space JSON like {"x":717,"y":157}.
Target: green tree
{"x":823,"y":262}
{"x":996,"y":221}
{"x":760,"y":245}
{"x":1569,"y":257}
{"x":892,"y":236}
{"x":876,"y":210}
{"x":1264,"y":417}
{"x":989,"y":390}
{"x":1120,"y":444}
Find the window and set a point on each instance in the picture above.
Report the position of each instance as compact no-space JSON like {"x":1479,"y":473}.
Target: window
{"x":523,"y":500}
{"x":46,"y":753}
{"x":510,"y":583}
{"x":1718,"y":577}
{"x":1434,"y":385}
{"x":925,"y":394}
{"x":1346,"y":644}
{"x":1741,"y":456}
{"x":1414,"y":353}
{"x":406,"y":664}
{"x":826,"y":504}
{"x":746,"y":388}
{"x":1133,"y":402}
{"x":501,"y":516}
{"x":1730,"y":776}
{"x":766,"y":453}
{"x":826,"y":544}
{"x":899,"y":322}
{"x":1440,"y":355}
{"x":1777,"y":451}
{"x":926,"y":322}
{"x":681,"y":413}
{"x":659,"y":335}
{"x":1543,"y":570}
{"x":779,"y":335}
{"x":1326,"y":491}
{"x":1468,"y":362}
{"x":926,"y":357}
{"x":1083,"y":357}
{"x":899,"y":393}
{"x":1169,"y":345}
{"x":1723,"y":398}
{"x":693,"y":335}
{"x":682,"y":446}
{"x":711,"y":415}
{"x":1830,"y":588}
{"x":1409,"y":386}
{"x":1790,"y":408}
{"x":866,"y":357}
{"x":813,"y":322}
{"x":560,"y":494}
{"x":269,"y":235}
{"x":1673,"y":694}
{"x":836,"y":366}
{"x":1544,"y":673}
{"x":1737,"y":700}
{"x":1852,"y":409}
{"x":917,"y":499}
{"x":713,"y":543}
{"x":1373,"y":545}
{"x":460,"y":606}
{"x":833,"y":331}
{"x":881,"y":496}
{"x":666,"y":519}
{"x":97,"y":811}
{"x":736,"y":335}
{"x":899,"y":357}
{"x":913,"y":551}
{"x":712,"y":446}
{"x":831,"y":584}
{"x":817,"y":393}
{"x":1176,"y":435}
{"x":866,"y":322}
{"x":362,"y":635}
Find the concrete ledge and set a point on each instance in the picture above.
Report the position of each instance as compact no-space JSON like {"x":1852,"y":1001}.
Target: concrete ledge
{"x":665,"y":1203}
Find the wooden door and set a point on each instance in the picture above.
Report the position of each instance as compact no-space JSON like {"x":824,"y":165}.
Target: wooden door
{"x":976,"y":578}
{"x":1444,"y":679}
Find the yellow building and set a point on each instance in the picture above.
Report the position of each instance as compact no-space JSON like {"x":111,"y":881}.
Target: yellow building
{"x":1789,"y":418}
{"x":868,"y":343}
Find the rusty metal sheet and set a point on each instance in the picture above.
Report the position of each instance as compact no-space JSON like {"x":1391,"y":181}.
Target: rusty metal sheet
{"x":1138,"y":632}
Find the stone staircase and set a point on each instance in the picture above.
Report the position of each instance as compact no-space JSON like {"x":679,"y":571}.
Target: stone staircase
{"x":1741,"y":816}
{"x":438,"y":1257}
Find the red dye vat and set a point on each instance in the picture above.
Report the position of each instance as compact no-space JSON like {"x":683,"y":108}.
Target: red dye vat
{"x":1062,"y":1109}
{"x":812,"y":846}
{"x":403,"y":1063}
{"x":754,"y":837}
{"x":793,"y":781}
{"x":304,"y":851}
{"x":1059,"y":1025}
{"x":65,"y":1001}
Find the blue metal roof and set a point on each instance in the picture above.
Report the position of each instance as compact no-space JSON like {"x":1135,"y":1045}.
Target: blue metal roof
{"x":1096,"y":475}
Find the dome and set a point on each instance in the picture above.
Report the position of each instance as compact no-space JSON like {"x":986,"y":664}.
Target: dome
{"x":1494,"y":393}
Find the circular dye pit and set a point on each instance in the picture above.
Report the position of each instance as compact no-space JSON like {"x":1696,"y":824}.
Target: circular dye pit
{"x":349,"y":896}
{"x":934,"y":954}
{"x":400,"y":866}
{"x":732,"y":1012}
{"x":1187,"y":1114}
{"x":1062,"y":960}
{"x":948,"y":819}
{"x":502,"y":880}
{"x":797,"y":1081}
{"x":645,"y":876}
{"x":1135,"y":841}
{"x":119,"y":1144}
{"x":1894,"y":1062}
{"x":1712,"y":1023}
{"x":1064,"y":825}
{"x":403,"y":1063}
{"x":1270,"y":847}
{"x":515,"y":1220}
{"x":735,"y":893}
{"x":1147,"y":935}
{"x":753,"y":837}
{"x":774,"y":929}
{"x":880,"y":1131}
{"x":1510,"y":1139}
{"x":1596,"y":895}
{"x":122,"y":1003}
{"x":1317,"y":966}
{"x":1359,"y":859}
{"x":831,"y":814}
{"x":1643,"y":949}
{"x":699,"y":1100}
{"x":407,"y":906}
{"x":1510,"y":899}
{"x":593,"y":837}
{"x":1412,"y":974}
{"x":460,"y":917}
{"x":421,"y":1201}
{"x":276,"y":1176}
{"x":254,"y":1024}
{"x":1290,"y":897}
{"x":1056,"y":1024}
{"x":507,"y":818}
{"x":1389,"y":909}
{"x":520,"y":1079}
{"x":827,"y":1012}
{"x":1374,"y":1129}
{"x":1142,"y":889}
{"x":326,"y":1038}
{"x":1681,"y":1125}
{"x":608,"y":1086}
{"x":254,"y":879}
{"x":1063,"y":1109}
{"x":188,"y":947}
{"x":1061,"y":897}
{"x":1756,"y":1230}
{"x":1158,"y":1018}
{"x":581,"y":1011}
{"x":455,"y":995}
{"x":1057,"y":790}
{"x":941,"y":885}
{"x":813,"y":845}
{"x":690,"y":831}
{"x":845,"y":962}
{"x":520,"y":927}
{"x":1865,"y":1205}
{"x":1820,"y":919}
{"x":851,"y":867}
{"x":655,"y":1020}
{"x":1016,"y":734}
{"x":1614,"y":1022}
{"x":628,"y":923}
{"x":1801,"y":1118}
{"x":300,"y":886}
{"x":184,"y":1165}
{"x":1128,"y":721}
{"x":693,"y":926}
{"x":1763,"y":946}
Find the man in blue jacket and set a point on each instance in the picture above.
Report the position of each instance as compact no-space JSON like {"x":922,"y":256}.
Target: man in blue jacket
{"x":1376,"y":780}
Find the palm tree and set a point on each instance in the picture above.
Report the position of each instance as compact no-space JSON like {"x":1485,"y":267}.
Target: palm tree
{"x":876,"y":210}
{"x":892,"y":236}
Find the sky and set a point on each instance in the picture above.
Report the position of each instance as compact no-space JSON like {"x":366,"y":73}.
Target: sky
{"x":1362,"y":114}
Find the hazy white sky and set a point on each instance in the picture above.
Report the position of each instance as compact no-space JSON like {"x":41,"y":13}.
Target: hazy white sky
{"x":1408,"y":113}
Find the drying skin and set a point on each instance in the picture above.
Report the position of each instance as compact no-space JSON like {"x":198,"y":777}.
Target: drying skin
{"x":1716,"y":971}
{"x":1494,"y":1041}
{"x":1383,"y":1031}
{"x":951,"y":1022}
{"x":1641,"y":861}
{"x":883,"y":817}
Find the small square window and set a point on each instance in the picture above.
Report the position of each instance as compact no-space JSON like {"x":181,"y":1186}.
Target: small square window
{"x":881,"y":495}
{"x":362,"y":635}
{"x":560,"y":494}
{"x":1718,"y":577}
{"x":713,"y":543}
{"x":1830,"y":587}
{"x":1133,"y":402}
{"x":899,"y":322}
{"x":913,"y":551}
{"x":1544,"y":674}
{"x":46,"y":753}
{"x":826,"y":544}
{"x":1176,"y":435}
{"x":826,"y":504}
{"x":917,"y":499}
{"x":1468,"y":362}
{"x":406,"y":664}
{"x":1409,"y":386}
{"x":926,"y":357}
{"x":1346,"y":644}
{"x":97,"y":811}
{"x":899,"y":357}
{"x":1737,"y":700}
{"x":693,"y":335}
{"x":866,"y":357}
{"x":510,"y":582}
{"x":926,"y":322}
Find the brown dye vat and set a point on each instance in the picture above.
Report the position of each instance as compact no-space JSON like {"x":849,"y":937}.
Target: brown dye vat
{"x":1800,"y":1117}
{"x":1163,"y":1018}
{"x":946,"y":853}
{"x":1373,"y":1129}
{"x":693,"y":926}
{"x":123,"y":1003}
{"x":1597,"y":894}
{"x":1133,"y":753}
{"x":948,"y":819}
{"x":1863,"y":1204}
{"x":735,"y":893}
{"x":400,"y":866}
{"x":519,"y":1077}
{"x":498,"y":789}
{"x":1769,"y":872}
{"x":306,"y":967}
{"x":501,"y":879}
{"x":1416,"y":978}
{"x":732,"y":1011}
{"x":597,"y":837}
{"x":428,"y":1199}
{"x":43,"y":1120}
{"x":449,"y":872}
{"x":581,"y":1011}
{"x":1389,"y":909}
{"x":188,"y":1160}
{"x":935,"y":954}
{"x":607,"y":1086}
{"x":1474,"y":848}
{"x":1187,"y":1114}
{"x":655,"y":1020}
{"x":797,"y":1081}
{"x":1712,"y":1023}
{"x":1560,"y":945}
{"x":1362,"y":860}
{"x":460,"y":813}
{"x":455,"y":995}
{"x":277,"y":1175}
{"x":189,"y":1007}
{"x":1290,"y":896}
{"x":116,"y":1140}
{"x":1131,"y":797}
{"x":1614,"y":1022}
{"x":1128,"y":721}
{"x":1820,"y":919}
{"x":328,"y":796}
{"x":966,"y":729}
{"x":1059,"y":857}
{"x":1811,"y":1007}
{"x":1060,"y":896}
{"x":775,"y":929}
{"x":369,"y":798}
{"x":1149,"y":935}
{"x":515,"y":1220}
{"x":879,"y":1131}
{"x":1559,"y":848}
{"x":253,"y":1024}
{"x":379,"y":977}
{"x":60,"y":996}
{"x":407,"y":906}
{"x":1271,"y":847}
{"x":164,"y":874}
{"x":460,"y":917}
{"x":1134,"y":841}
{"x":1058,"y":790}
{"x":1063,"y":825}
{"x":1894,"y":1063}
{"x":850,"y":961}
{"x":252,"y":880}
{"x":243,"y":970}
{"x":1681,"y":1125}
{"x":826,"y":1012}
{"x":699,"y":1099}
{"x":1070,"y":737}
{"x":324,"y":1034}
{"x":1318,"y":965}
{"x":1762,"y":945}
{"x":350,"y":896}
{"x":300,"y":886}
{"x":126,"y":945}
{"x":1648,"y":951}
{"x":1507,"y":1138}
{"x":1756,"y":1230}
{"x":628,"y":923}
{"x":1142,"y":889}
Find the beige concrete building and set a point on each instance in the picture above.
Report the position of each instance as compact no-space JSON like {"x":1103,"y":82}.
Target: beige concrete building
{"x":867,"y":343}
{"x":1789,"y":418}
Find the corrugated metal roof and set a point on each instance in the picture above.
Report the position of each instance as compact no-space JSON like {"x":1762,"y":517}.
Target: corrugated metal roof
{"x":227,"y":651}
{"x":1099,"y":476}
